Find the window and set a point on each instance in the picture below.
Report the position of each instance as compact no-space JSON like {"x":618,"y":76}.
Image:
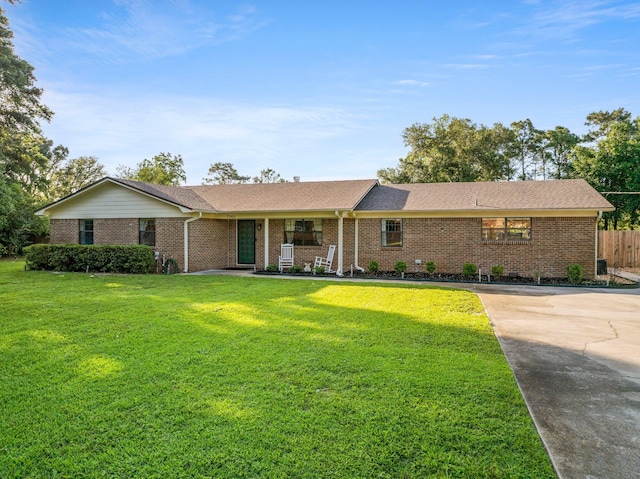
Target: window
{"x":391,"y":232}
{"x":303,"y":232}
{"x":506,"y":229}
{"x":147,"y":232}
{"x":86,"y":232}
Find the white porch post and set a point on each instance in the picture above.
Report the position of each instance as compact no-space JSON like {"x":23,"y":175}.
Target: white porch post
{"x":266,"y":242}
{"x":340,"y":233}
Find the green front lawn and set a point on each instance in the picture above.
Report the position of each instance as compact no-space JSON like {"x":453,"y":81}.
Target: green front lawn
{"x":212,"y":376}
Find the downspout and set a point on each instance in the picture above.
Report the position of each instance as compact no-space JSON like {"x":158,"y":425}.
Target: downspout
{"x":355,"y":256}
{"x":340,"y":234}
{"x":186,"y":240}
{"x":266,"y":242}
{"x":596,"y":253}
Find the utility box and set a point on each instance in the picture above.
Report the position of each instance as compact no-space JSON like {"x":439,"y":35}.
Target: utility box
{"x":601,"y":266}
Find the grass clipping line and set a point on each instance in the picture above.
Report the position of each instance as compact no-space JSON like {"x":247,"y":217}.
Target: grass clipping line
{"x":157,"y":376}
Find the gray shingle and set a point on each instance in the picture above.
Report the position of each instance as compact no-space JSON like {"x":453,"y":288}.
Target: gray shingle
{"x":512,"y":195}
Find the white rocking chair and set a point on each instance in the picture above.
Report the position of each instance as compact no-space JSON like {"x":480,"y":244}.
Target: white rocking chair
{"x":285,"y":260}
{"x":326,"y":262}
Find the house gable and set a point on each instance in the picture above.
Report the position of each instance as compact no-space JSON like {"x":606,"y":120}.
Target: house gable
{"x":111,"y":200}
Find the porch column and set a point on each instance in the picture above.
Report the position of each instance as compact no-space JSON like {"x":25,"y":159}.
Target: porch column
{"x":340,"y":232}
{"x":265,"y":227}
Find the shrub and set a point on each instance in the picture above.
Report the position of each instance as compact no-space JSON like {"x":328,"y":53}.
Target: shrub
{"x":296,"y":268}
{"x":574,"y":273}
{"x":374,"y":267}
{"x":135,"y":259}
{"x":430,"y":267}
{"x":497,"y":270}
{"x":319,"y":269}
{"x":272,"y":268}
{"x":469,"y":269}
{"x":400,"y":266}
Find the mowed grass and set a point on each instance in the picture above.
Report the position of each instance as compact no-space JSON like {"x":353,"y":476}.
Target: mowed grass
{"x":212,"y":376}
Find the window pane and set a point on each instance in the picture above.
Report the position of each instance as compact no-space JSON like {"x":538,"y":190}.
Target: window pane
{"x":147,"y":232}
{"x":493,"y":222}
{"x":493,"y":234}
{"x":392,"y":239}
{"x":391,"y":233}
{"x":522,"y":223}
{"x":510,"y":229}
{"x":86,"y":232}
{"x":303,"y":232}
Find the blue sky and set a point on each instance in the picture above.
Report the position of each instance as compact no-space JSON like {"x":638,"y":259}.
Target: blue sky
{"x":320,"y":90}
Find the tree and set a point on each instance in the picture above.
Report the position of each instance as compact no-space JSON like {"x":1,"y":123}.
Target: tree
{"x":19,"y":227}
{"x":525,"y":150}
{"x":559,"y":144}
{"x":72,"y":175}
{"x":23,"y":159}
{"x":268,"y":176}
{"x":223,"y":174}
{"x":20,"y":107}
{"x":162,"y":169}
{"x":451,"y":149}
{"x":612,"y":164}
{"x":602,"y":121}
{"x":490,"y":151}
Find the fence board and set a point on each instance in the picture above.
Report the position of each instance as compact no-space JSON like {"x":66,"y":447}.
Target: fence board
{"x":621,"y":249}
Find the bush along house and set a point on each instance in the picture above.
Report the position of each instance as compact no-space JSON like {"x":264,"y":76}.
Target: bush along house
{"x":528,"y":227}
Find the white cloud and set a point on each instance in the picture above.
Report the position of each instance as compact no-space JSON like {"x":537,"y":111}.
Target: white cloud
{"x":563,"y":20}
{"x":411,"y":83}
{"x":130,"y":30}
{"x":292,"y":140}
{"x":486,"y":57}
{"x":466,"y":66}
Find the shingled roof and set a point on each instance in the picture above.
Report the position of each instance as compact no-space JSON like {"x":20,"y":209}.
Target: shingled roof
{"x":238,"y":198}
{"x":513,"y":195}
{"x":370,"y":196}
{"x":296,"y":196}
{"x":178,"y":195}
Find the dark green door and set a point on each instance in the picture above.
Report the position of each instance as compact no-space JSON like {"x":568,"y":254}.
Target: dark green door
{"x":246,"y":242}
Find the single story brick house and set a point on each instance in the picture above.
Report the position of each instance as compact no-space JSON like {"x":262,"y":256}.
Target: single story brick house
{"x":529,"y":227}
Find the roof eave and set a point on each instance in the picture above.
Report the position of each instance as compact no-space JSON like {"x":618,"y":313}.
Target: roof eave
{"x":484,"y":212}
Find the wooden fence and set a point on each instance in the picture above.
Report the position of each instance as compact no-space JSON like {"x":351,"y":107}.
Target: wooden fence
{"x":621,"y":249}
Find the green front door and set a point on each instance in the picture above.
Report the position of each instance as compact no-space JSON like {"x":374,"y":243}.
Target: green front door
{"x":246,"y":242}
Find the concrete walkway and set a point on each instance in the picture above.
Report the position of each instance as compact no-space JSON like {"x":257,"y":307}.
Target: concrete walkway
{"x":575,"y":354}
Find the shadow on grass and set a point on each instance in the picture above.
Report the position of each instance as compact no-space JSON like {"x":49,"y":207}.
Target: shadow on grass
{"x":238,"y":377}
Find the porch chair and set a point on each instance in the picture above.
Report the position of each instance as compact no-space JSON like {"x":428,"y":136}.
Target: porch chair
{"x":285,"y":260}
{"x":326,"y":262}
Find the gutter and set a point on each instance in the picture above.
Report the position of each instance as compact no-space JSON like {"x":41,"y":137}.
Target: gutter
{"x":186,"y":240}
{"x":355,"y":255}
{"x":596,"y":252}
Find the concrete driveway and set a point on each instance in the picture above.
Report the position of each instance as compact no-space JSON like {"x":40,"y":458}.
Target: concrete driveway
{"x":575,"y":354}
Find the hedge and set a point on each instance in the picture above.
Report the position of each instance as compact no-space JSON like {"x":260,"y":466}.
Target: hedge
{"x":134,"y":259}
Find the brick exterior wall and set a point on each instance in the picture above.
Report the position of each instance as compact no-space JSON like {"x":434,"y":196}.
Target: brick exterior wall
{"x":116,"y":231}
{"x":208,"y":244}
{"x":64,"y":232}
{"x":106,"y":231}
{"x":450,"y":242}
